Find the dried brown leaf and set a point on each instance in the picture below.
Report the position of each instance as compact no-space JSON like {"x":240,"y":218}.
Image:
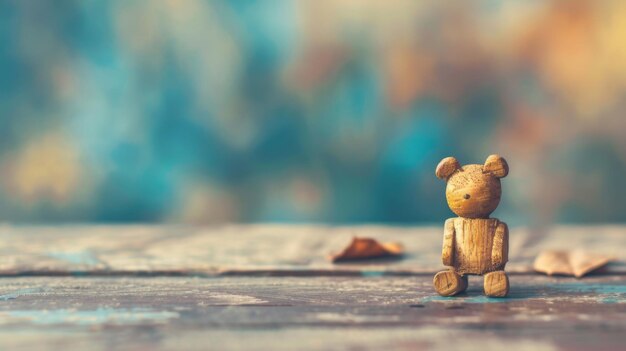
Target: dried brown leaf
{"x":576,"y":263}
{"x":366,"y":248}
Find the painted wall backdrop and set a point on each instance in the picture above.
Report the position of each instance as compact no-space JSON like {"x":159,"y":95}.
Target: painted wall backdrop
{"x":308,"y":111}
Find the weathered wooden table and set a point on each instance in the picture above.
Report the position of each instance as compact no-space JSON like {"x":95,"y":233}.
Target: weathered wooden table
{"x":270,"y":287}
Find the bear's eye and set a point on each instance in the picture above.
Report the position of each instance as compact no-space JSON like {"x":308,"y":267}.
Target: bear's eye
{"x":466,"y":196}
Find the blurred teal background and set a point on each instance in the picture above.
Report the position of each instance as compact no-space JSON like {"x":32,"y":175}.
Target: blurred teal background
{"x":308,"y":111}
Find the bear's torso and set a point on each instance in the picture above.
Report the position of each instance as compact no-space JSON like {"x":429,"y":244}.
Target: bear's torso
{"x":473,"y":242}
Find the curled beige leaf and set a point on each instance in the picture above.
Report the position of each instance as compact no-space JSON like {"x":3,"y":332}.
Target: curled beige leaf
{"x":576,"y":263}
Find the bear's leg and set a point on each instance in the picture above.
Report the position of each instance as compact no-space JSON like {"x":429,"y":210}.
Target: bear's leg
{"x":496,"y":284}
{"x":449,"y":283}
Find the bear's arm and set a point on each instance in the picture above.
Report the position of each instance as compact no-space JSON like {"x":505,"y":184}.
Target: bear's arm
{"x":500,"y":250}
{"x":447,"y":254}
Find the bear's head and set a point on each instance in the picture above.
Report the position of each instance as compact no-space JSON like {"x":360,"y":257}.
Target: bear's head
{"x":473,"y":191}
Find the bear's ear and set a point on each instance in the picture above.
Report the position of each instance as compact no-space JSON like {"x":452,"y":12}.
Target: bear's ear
{"x":496,"y":166}
{"x":446,"y":167}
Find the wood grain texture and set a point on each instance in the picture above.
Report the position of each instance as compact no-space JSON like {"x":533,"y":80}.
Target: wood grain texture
{"x":496,"y":166}
{"x":474,"y":246}
{"x":450,"y":283}
{"x":447,"y":254}
{"x":496,"y":284}
{"x":446,"y":167}
{"x":264,"y":249}
{"x":474,"y":243}
{"x":473,"y":191}
{"x":330,"y":313}
{"x":500,"y":247}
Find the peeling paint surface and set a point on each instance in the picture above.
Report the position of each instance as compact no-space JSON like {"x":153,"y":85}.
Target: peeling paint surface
{"x":17,"y":293}
{"x":163,"y":289}
{"x":100,"y":316}
{"x":76,"y":258}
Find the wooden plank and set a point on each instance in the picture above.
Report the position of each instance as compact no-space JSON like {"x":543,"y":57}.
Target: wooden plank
{"x":263,"y":313}
{"x":259,"y":249}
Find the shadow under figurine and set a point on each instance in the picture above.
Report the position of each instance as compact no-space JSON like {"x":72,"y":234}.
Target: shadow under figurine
{"x":473,"y":243}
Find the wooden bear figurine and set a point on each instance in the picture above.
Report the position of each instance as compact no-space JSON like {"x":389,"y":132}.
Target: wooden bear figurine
{"x":473,"y":243}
